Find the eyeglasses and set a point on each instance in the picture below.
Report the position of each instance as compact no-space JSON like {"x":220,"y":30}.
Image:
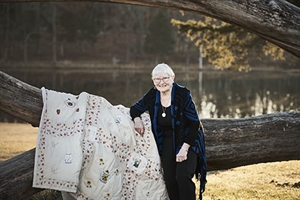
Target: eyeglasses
{"x":164,"y":79}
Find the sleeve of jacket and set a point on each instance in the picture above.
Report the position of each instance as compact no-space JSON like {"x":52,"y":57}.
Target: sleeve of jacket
{"x":193,"y":122}
{"x":139,"y":107}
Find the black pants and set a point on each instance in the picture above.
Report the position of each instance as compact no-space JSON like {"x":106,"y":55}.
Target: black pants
{"x":178,"y":175}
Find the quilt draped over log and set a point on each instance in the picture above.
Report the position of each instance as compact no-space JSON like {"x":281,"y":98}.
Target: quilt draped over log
{"x":89,"y":149}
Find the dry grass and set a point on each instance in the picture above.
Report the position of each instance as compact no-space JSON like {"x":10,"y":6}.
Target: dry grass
{"x":268,"y":181}
{"x":276,"y":181}
{"x":16,"y":139}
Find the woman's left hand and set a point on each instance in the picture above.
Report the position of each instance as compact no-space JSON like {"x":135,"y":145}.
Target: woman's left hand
{"x":182,"y":154}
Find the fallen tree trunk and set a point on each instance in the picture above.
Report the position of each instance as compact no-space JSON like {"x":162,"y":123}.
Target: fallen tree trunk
{"x":20,"y":99}
{"x":229,"y":142}
{"x":16,"y":177}
{"x":274,"y":20}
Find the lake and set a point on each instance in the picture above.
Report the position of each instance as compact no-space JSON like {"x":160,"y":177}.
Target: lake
{"x":217,"y":94}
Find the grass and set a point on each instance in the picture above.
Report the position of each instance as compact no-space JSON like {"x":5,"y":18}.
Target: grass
{"x":267,"y":181}
{"x":16,"y":139}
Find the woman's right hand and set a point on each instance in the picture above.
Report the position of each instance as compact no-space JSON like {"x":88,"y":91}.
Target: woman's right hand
{"x":138,"y":125}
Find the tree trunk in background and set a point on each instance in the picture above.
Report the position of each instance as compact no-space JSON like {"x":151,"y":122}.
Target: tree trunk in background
{"x":38,"y":28}
{"x":229,"y":142}
{"x":27,"y":38}
{"x":54,"y":36}
{"x":5,"y":46}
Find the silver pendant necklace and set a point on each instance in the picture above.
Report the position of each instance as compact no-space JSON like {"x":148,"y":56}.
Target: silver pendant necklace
{"x":164,"y":112}
{"x":164,"y":108}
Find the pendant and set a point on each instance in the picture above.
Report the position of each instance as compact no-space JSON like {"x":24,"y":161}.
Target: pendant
{"x":163,"y":114}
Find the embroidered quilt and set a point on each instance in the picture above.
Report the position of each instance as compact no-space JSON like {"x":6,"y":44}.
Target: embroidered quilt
{"x":88,"y":149}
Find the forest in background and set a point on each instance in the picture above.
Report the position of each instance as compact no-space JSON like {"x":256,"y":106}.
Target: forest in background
{"x":116,"y":34}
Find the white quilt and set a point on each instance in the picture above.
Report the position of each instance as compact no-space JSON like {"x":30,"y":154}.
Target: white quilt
{"x":89,"y":149}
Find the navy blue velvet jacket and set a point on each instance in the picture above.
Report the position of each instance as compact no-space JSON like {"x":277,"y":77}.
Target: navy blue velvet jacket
{"x":185,"y":123}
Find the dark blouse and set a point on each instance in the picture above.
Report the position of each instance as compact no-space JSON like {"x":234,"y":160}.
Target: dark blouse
{"x":165,"y":122}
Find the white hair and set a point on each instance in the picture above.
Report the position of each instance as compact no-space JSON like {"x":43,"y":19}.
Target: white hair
{"x":162,"y":68}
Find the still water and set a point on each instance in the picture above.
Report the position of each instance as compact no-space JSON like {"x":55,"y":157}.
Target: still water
{"x":217,"y":94}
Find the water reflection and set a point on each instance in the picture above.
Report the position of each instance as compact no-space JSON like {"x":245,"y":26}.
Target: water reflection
{"x":238,"y":95}
{"x":217,"y":94}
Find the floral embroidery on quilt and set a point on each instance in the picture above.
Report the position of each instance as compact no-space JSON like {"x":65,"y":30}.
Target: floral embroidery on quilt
{"x":88,"y":183}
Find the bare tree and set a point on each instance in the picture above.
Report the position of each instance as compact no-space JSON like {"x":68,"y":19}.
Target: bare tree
{"x":54,"y":35}
{"x":6,"y":21}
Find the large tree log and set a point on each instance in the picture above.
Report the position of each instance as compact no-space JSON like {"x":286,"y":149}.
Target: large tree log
{"x":229,"y":142}
{"x":274,"y":20}
{"x":16,"y":177}
{"x":20,"y":99}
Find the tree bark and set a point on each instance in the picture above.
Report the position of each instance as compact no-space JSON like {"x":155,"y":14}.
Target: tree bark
{"x":265,"y":138}
{"x":229,"y":142}
{"x":20,"y":99}
{"x":16,"y":177}
{"x":274,"y":20}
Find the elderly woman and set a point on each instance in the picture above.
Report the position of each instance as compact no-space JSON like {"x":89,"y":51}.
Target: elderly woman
{"x":177,"y":130}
